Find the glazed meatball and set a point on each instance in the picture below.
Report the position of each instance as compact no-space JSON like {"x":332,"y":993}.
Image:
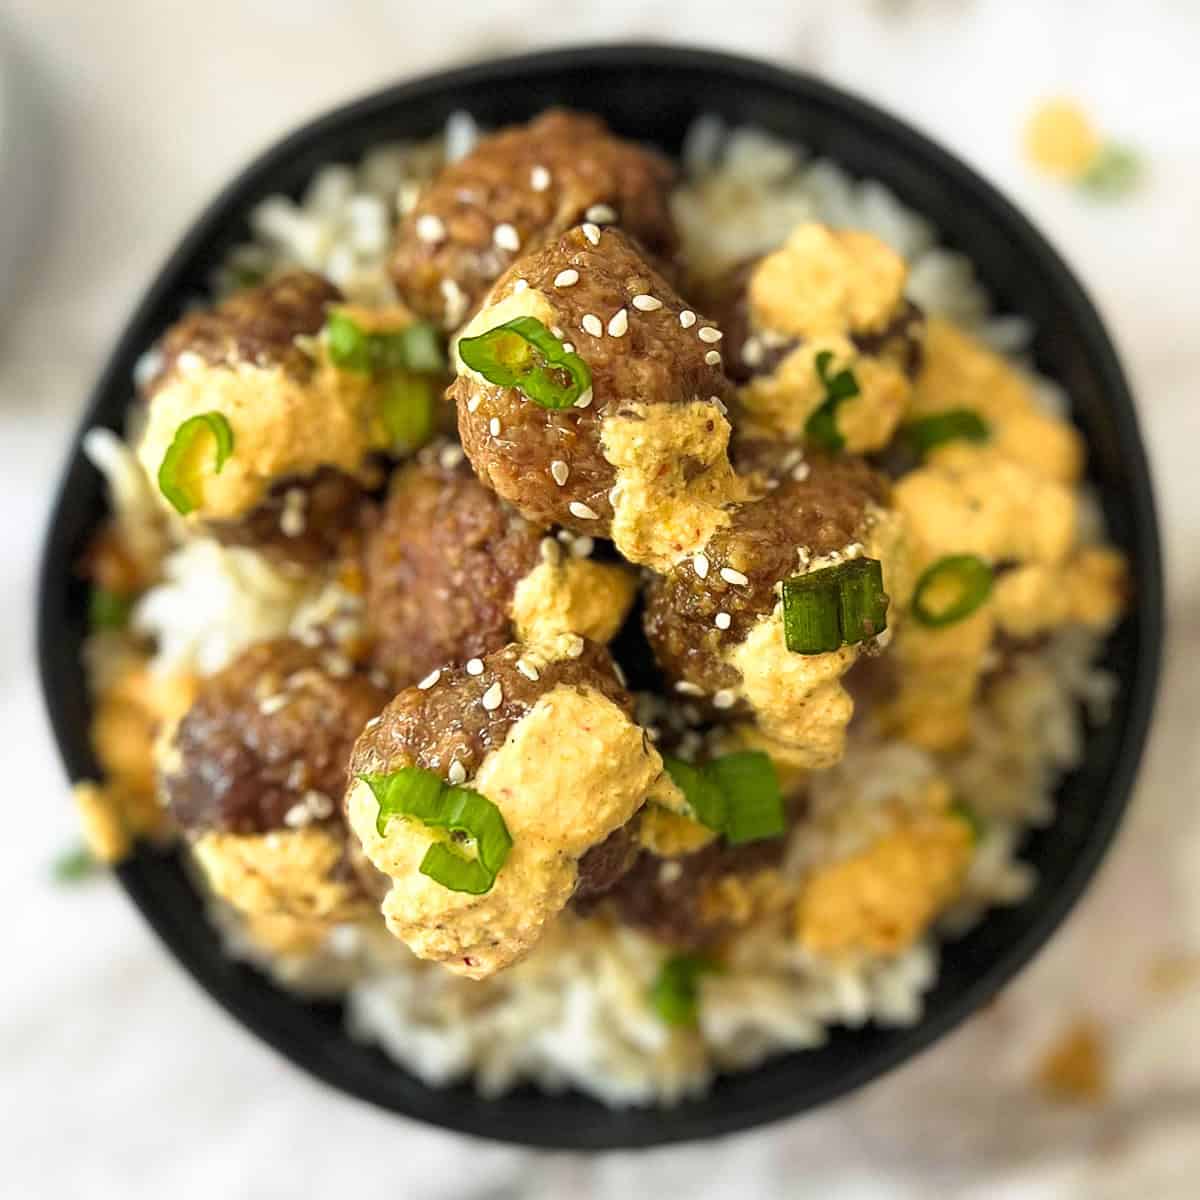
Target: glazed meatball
{"x":253,"y":774}
{"x":303,"y":430}
{"x":641,"y":456}
{"x":838,"y":293}
{"x":544,"y":732}
{"x":520,"y":187}
{"x":715,"y":621}
{"x":452,"y":572}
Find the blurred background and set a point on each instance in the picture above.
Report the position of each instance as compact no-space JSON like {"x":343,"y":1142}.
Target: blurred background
{"x":118,"y":121}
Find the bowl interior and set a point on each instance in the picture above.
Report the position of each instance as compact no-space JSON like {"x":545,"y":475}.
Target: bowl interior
{"x":653,"y":94}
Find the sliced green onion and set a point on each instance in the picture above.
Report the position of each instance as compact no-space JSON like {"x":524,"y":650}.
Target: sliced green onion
{"x":1115,"y":171}
{"x":421,"y":795}
{"x":73,"y":866}
{"x":108,"y":610}
{"x":964,"y":812}
{"x":966,"y":577}
{"x":416,"y":347}
{"x":182,"y":472}
{"x":407,"y":410}
{"x":821,"y":426}
{"x":524,"y":354}
{"x":834,"y":606}
{"x":347,"y":343}
{"x":955,"y":424}
{"x":675,"y":993}
{"x":736,"y":795}
{"x":753,"y":799}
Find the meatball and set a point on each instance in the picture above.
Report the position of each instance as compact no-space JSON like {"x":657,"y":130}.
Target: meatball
{"x":827,"y":301}
{"x":543,"y":731}
{"x":253,"y":775}
{"x":715,"y":622}
{"x":452,"y":572}
{"x":303,"y":429}
{"x":519,"y":188}
{"x":642,"y":455}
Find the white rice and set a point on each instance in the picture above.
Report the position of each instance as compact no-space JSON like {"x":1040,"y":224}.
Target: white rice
{"x":575,"y":1013}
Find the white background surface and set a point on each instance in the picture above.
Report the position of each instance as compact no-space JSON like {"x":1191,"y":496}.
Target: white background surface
{"x":117,"y":1078}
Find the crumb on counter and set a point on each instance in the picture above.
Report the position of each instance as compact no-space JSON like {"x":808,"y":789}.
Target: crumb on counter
{"x":1074,"y":1069}
{"x":1060,"y":138}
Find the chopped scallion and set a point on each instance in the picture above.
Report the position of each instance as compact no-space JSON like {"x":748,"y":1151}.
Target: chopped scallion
{"x":183,"y":470}
{"x":407,"y":410}
{"x":423,"y":796}
{"x":835,"y":606}
{"x":108,"y":611}
{"x":1115,"y":171}
{"x":704,"y":798}
{"x":75,"y":865}
{"x":675,"y":993}
{"x":415,"y":347}
{"x":951,"y":589}
{"x":736,"y":795}
{"x":821,"y":426}
{"x":972,"y":819}
{"x":524,"y":354}
{"x":955,"y":424}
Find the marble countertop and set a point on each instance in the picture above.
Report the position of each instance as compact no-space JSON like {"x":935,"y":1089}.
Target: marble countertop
{"x":121,"y":1080}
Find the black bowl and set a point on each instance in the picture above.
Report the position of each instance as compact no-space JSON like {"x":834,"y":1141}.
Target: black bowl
{"x":652,"y":93}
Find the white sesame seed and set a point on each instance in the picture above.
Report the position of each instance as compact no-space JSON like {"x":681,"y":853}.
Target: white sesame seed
{"x":585,"y":399}
{"x":602,"y":214}
{"x":735,"y":577}
{"x":519,"y":286}
{"x":272,"y":704}
{"x":539,"y":179}
{"x":567,"y":278}
{"x":722,"y":620}
{"x":684,"y":688}
{"x":669,"y":871}
{"x":430,"y":679}
{"x":578,"y":509}
{"x":319,"y":804}
{"x":700,"y":565}
{"x":619,"y":325}
{"x":566,"y":537}
{"x":752,"y":352}
{"x":687,"y":318}
{"x":472,"y":404}
{"x":372,"y":722}
{"x":559,"y":471}
{"x":644,"y":302}
{"x":506,"y":237}
{"x":801,"y":473}
{"x":568,"y":347}
{"x":721,"y":406}
{"x":494,"y":427}
{"x":528,"y":669}
{"x":706,"y":333}
{"x":557,"y":330}
{"x":338,"y":665}
{"x":292,"y":523}
{"x":591,"y":324}
{"x":724,"y":699}
{"x":475,"y":666}
{"x":592,"y":233}
{"x":493,"y":697}
{"x":550,"y":551}
{"x":456,"y":302}
{"x":574,"y":645}
{"x":582,"y":546}
{"x":450,"y":457}
{"x":297,"y":816}
{"x":311,"y":637}
{"x":457,"y":773}
{"x":713,"y":358}
{"x":430,"y":228}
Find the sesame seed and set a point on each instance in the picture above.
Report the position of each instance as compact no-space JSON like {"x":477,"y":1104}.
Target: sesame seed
{"x":567,"y":278}
{"x":578,"y":509}
{"x":559,"y":471}
{"x":602,"y":214}
{"x":550,"y":550}
{"x":713,"y":358}
{"x":722,"y":620}
{"x":475,"y":666}
{"x":585,"y":399}
{"x":297,"y":816}
{"x":724,"y":699}
{"x":272,"y":704}
{"x":687,"y":318}
{"x":684,"y":688}
{"x":430,"y":679}
{"x":752,"y":352}
{"x":801,"y":473}
{"x":319,"y":804}
{"x":706,"y":333}
{"x":539,"y":179}
{"x":591,"y":324}
{"x":528,"y":669}
{"x":566,"y":537}
{"x":646,"y":303}
{"x":372,"y":722}
{"x":311,"y":637}
{"x":735,"y":577}
{"x":520,"y":285}
{"x":721,"y":406}
{"x":557,"y":330}
{"x":619,"y":672}
{"x":582,"y":546}
{"x":494,"y":427}
{"x":619,"y":325}
{"x":457,"y":773}
{"x":574,"y":645}
{"x":338,"y":665}
{"x":670,"y":871}
{"x":456,"y":302}
{"x":568,"y":347}
{"x":430,"y":228}
{"x":506,"y":237}
{"x":700,"y":565}
{"x":493,"y":697}
{"x":472,"y":404}
{"x":592,"y":233}
{"x":450,"y":457}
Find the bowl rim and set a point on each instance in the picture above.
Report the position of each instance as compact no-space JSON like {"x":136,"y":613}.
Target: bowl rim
{"x":290,"y":1039}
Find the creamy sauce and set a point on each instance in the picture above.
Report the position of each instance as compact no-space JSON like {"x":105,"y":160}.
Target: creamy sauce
{"x":1089,"y":589}
{"x":573,"y":596}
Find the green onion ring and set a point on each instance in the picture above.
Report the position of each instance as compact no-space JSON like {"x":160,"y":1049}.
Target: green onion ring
{"x":736,"y":795}
{"x":954,"y":424}
{"x":973,"y":578}
{"x":524,"y":354}
{"x":180,"y":479}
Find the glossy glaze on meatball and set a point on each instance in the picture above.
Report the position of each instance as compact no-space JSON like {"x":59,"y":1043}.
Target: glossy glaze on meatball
{"x":641,"y":457}
{"x":266,"y":744}
{"x":520,"y":187}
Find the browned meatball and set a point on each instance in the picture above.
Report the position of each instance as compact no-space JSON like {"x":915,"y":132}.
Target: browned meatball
{"x":441,"y":566}
{"x":694,"y":615}
{"x":519,"y":187}
{"x":266,"y":743}
{"x":641,"y":457}
{"x":605,"y":865}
